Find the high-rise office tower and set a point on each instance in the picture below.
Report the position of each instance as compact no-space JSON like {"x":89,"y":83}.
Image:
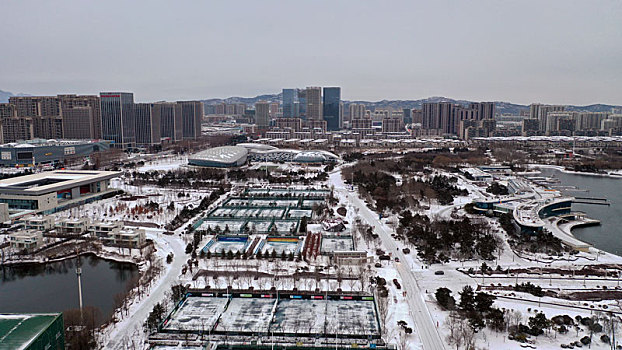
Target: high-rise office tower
{"x":171,"y":124}
{"x":191,"y":117}
{"x":314,"y":103}
{"x":302,"y":103}
{"x":118,"y":122}
{"x":78,"y":123}
{"x":408,"y":115}
{"x":147,"y":125}
{"x":262,"y":114}
{"x":74,"y":123}
{"x":332,"y":108}
{"x":290,"y":103}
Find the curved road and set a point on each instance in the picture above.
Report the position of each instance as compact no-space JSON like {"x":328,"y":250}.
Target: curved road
{"x":426,"y":328}
{"x":126,"y":330}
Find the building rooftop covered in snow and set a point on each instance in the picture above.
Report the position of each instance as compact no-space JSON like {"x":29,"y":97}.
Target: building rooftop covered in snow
{"x":220,"y":157}
{"x":32,"y":331}
{"x":50,"y":191}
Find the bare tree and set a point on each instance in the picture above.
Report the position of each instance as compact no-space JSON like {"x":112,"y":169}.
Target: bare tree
{"x":309,"y":283}
{"x":513,"y":318}
{"x":468,"y":334}
{"x":402,"y":339}
{"x":383,"y":311}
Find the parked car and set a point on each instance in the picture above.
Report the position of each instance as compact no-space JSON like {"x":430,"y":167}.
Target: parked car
{"x":397,"y":259}
{"x":397,"y":284}
{"x":439,"y":272}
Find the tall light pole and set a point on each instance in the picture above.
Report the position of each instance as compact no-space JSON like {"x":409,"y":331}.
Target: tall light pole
{"x":79,"y":274}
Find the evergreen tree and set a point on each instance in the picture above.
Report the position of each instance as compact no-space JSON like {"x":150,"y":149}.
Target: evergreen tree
{"x":467,"y":299}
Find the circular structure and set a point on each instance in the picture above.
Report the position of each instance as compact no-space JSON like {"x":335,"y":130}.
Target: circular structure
{"x":220,"y":157}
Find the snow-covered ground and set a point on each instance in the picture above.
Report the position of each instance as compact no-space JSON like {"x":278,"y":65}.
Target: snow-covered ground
{"x":164,"y":163}
{"x":456,"y":280}
{"x":129,"y":330}
{"x":414,"y":302}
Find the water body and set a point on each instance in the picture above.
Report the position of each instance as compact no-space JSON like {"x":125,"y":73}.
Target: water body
{"x":607,"y":236}
{"x":53,"y":287}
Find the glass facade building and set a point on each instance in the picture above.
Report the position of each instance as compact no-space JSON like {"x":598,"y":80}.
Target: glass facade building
{"x":332,"y":108}
{"x":290,"y":105}
{"x":191,"y":116}
{"x":118,"y":122}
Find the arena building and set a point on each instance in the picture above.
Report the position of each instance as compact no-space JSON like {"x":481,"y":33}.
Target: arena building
{"x":220,"y":157}
{"x":267,"y":153}
{"x":232,"y":156}
{"x":37,"y":152}
{"x":48,"y":192}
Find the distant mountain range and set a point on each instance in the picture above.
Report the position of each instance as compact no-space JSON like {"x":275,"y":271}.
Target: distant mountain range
{"x":4,"y":96}
{"x":502,"y":107}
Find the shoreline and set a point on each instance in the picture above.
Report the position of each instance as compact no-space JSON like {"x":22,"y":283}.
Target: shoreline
{"x":570,"y":226}
{"x":23,"y":263}
{"x":611,"y":175}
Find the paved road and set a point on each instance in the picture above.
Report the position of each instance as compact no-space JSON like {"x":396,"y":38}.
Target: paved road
{"x":125,"y":331}
{"x":424,"y":323}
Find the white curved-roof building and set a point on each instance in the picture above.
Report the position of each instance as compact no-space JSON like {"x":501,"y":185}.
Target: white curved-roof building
{"x":273,"y":154}
{"x":315,"y":157}
{"x":256,"y":146}
{"x":220,"y":157}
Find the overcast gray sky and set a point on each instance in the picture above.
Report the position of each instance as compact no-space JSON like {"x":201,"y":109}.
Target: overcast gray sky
{"x":567,"y":52}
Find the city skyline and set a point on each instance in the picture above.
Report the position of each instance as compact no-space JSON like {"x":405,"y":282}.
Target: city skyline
{"x":475,"y":53}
